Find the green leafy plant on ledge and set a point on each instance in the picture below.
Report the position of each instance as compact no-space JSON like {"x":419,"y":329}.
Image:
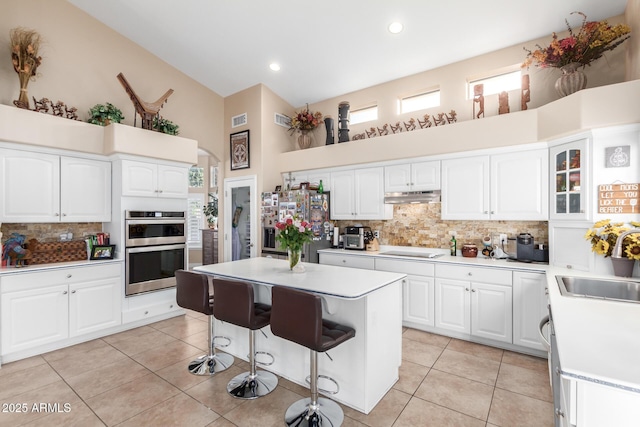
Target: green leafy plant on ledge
{"x":165,"y":126}
{"x":105,"y":114}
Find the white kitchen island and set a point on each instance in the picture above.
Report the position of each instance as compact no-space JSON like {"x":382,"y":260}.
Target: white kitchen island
{"x":365,"y":367}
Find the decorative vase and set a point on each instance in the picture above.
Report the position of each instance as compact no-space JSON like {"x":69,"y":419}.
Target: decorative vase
{"x":571,"y":80}
{"x":622,"y":267}
{"x":305,"y":138}
{"x":294,"y":260}
{"x":213,"y":224}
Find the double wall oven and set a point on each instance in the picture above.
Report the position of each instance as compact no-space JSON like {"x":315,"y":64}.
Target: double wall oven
{"x":155,"y":247}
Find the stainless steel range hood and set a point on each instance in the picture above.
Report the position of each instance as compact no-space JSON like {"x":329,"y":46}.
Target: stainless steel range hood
{"x":413,"y":197}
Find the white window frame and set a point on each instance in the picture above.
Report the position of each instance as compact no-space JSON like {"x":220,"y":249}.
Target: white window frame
{"x":426,"y":95}
{"x":489,"y":80}
{"x":362,"y":115}
{"x":194,"y":237}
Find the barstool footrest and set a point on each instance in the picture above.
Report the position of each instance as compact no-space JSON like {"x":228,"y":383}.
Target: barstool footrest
{"x":322,"y":390}
{"x":273,"y":359}
{"x":220,"y":337}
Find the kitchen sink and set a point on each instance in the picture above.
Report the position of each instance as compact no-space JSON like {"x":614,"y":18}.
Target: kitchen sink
{"x":412,"y":254}
{"x":620,"y":290}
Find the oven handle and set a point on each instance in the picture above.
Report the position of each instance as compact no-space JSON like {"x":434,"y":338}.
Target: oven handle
{"x":544,"y":322}
{"x":155,"y":221}
{"x":155,"y":248}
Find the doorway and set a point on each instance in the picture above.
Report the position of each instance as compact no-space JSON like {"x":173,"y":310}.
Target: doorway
{"x":241,"y":218}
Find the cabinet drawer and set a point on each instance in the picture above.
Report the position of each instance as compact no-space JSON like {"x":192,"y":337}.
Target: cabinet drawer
{"x":26,"y":280}
{"x":150,"y":311}
{"x":364,"y":262}
{"x":474,"y":274}
{"x":407,"y":267}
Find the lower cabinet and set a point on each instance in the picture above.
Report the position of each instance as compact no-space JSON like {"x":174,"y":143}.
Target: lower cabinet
{"x":474,"y":301}
{"x":346,"y":260}
{"x":44,"y":307}
{"x":529,"y":307}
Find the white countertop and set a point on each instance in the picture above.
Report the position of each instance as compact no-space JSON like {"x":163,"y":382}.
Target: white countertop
{"x":598,"y":340}
{"x":322,"y":279}
{"x":55,"y":265}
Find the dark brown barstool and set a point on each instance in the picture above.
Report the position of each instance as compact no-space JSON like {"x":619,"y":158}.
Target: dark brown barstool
{"x":234,"y":303}
{"x":192,"y":292}
{"x":297,"y":316}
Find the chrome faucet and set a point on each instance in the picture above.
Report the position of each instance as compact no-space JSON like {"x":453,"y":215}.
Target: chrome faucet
{"x":617,"y":249}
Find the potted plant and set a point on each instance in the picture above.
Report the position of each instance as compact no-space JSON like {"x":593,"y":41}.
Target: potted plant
{"x":104,"y":114}
{"x":165,"y":126}
{"x":210,"y":211}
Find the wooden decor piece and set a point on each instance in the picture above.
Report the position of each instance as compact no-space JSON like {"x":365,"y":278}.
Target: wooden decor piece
{"x":618,"y":199}
{"x":397,"y":128}
{"x":503,"y":103}
{"x":384,"y":130}
{"x":58,"y":109}
{"x":50,"y":252}
{"x":358,"y":136}
{"x":526,"y":92}
{"x":147,"y":110}
{"x":478,"y":96}
{"x":411,"y":125}
{"x":452,"y":117}
{"x":371,"y":133}
{"x":440,"y":120}
{"x":426,"y":123}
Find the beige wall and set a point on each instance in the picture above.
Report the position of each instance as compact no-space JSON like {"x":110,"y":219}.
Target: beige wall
{"x":632,"y":16}
{"x":81,"y":58}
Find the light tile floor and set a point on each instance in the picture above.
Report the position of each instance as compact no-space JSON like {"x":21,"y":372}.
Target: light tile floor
{"x":139,"y":378}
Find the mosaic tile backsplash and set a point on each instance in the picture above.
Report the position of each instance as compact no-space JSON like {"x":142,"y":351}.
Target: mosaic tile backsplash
{"x":47,"y":232}
{"x":420,"y":225}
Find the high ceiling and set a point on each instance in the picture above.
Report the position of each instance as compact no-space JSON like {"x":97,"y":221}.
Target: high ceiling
{"x":331,"y":47}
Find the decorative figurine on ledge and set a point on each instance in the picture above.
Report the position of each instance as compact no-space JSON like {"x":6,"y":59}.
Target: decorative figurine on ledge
{"x":440,"y":120}
{"x":397,"y":128}
{"x":384,"y":130}
{"x":526,"y":92}
{"x":426,"y":123}
{"x":411,"y":125}
{"x":343,"y":122}
{"x":358,"y":136}
{"x":478,"y":97}
{"x":452,"y":117}
{"x":371,"y":133}
{"x":147,"y":110}
{"x":503,"y":102}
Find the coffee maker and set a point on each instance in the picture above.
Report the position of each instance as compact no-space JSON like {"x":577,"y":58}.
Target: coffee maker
{"x":527,"y":251}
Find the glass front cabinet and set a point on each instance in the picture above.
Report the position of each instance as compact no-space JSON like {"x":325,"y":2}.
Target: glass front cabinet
{"x":569,"y":181}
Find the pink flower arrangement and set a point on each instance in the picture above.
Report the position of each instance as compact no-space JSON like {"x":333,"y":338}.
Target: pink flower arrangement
{"x":591,"y":41}
{"x":294,"y":233}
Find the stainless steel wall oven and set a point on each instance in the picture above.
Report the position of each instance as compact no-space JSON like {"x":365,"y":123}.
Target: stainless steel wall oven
{"x":155,"y":247}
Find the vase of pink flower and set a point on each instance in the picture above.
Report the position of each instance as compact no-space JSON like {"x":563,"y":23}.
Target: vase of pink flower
{"x":293,"y":235}
{"x":303,"y":124}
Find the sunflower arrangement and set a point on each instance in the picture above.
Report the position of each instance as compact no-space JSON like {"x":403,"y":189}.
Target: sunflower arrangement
{"x":604,"y":234}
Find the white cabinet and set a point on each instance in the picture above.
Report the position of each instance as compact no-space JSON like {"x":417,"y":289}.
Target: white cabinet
{"x":509,"y":186}
{"x":38,"y":187}
{"x":569,"y":186}
{"x":45,"y":307}
{"x":474,"y":301}
{"x":417,"y":290}
{"x":354,"y":261}
{"x":141,"y":179}
{"x":529,"y":307}
{"x":359,"y":194}
{"x":313,"y":177}
{"x":421,"y":176}
{"x":567,"y":246}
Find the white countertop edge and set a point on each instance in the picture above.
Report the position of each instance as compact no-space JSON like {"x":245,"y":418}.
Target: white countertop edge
{"x":6,"y":271}
{"x":479,"y":261}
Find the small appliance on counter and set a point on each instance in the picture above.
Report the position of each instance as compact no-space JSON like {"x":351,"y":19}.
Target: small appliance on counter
{"x":356,"y":237}
{"x":527,"y":251}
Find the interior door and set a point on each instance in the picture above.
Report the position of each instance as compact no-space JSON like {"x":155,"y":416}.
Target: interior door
{"x":240,"y":218}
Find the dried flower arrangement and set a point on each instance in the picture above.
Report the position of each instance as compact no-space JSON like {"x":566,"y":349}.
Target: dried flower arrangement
{"x":24,"y":44}
{"x":305,"y":120}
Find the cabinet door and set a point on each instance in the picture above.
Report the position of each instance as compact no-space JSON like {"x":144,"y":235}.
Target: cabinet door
{"x":418,"y":300}
{"x":139,"y":179}
{"x":567,"y":246}
{"x":569,"y":181}
{"x":452,"y":305}
{"x":491,"y":311}
{"x":85,"y":194}
{"x":519,"y":186}
{"x":173,"y":181}
{"x":369,"y":194}
{"x":34,"y":317}
{"x":425,"y":176}
{"x":94,"y":306}
{"x":342,"y":195}
{"x":465,"y":188}
{"x":529,"y":307}
{"x":397,"y":178}
{"x":29,"y":187}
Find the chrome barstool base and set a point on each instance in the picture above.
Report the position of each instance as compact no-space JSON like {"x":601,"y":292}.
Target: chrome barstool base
{"x":302,"y":414}
{"x":210,"y":364}
{"x":244,"y":386}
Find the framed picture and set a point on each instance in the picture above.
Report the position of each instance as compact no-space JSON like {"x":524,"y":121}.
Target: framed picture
{"x":240,"y":150}
{"x":103,"y":251}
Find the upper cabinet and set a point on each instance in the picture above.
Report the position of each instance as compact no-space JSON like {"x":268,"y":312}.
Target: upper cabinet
{"x":142,"y":179}
{"x":508,"y":186}
{"x":38,"y":187}
{"x":359,"y":194}
{"x":569,"y":174}
{"x":421,"y":176}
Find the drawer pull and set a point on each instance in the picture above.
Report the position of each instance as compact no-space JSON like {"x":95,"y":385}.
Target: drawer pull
{"x":470,"y":274}
{"x":69,"y":276}
{"x":473,"y":290}
{"x":64,"y":292}
{"x":73,"y":291}
{"x":466,"y":289}
{"x":146,"y":312}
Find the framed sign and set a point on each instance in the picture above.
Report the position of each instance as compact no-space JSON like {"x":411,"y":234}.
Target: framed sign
{"x":239,"y":150}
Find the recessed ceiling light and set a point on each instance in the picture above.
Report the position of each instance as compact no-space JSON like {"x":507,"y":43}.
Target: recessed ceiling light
{"x":274,"y":66}
{"x":395,"y":27}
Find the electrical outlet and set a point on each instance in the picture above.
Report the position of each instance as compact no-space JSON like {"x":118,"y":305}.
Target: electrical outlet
{"x":503,"y":239}
{"x":376,"y":234}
